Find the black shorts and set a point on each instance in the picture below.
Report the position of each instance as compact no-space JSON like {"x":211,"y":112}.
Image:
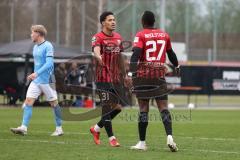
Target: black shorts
{"x":156,"y":88}
{"x":110,"y":92}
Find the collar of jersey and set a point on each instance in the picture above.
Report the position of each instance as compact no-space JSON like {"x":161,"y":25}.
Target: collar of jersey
{"x":150,"y":28}
{"x":108,"y":35}
{"x":41,"y":43}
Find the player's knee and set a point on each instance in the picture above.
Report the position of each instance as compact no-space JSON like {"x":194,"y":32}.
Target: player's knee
{"x":119,"y":110}
{"x":162,"y":105}
{"x":144,"y":108}
{"x":53,"y":103}
{"x":106,"y":108}
{"x":143,"y":105}
{"x":117,"y":107}
{"x":29,"y":101}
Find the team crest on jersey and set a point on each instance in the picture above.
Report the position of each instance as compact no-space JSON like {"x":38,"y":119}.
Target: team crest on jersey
{"x":94,"y":39}
{"x":136,"y":39}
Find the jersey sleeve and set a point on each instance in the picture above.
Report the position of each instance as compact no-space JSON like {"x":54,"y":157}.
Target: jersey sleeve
{"x":49,"y":64}
{"x":169,"y":45}
{"x":138,"y":41}
{"x":96,"y":41}
{"x":49,"y":50}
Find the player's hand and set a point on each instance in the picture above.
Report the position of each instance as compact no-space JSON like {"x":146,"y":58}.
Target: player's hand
{"x":128,"y":82}
{"x":32,"y":76}
{"x":178,"y":70}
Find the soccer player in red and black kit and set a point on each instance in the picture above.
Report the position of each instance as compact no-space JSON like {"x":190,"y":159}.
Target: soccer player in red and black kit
{"x":107,"y":48}
{"x":147,"y":71}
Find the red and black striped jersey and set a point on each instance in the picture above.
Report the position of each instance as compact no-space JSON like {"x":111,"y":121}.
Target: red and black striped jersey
{"x":154,"y":43}
{"x":111,"y":48}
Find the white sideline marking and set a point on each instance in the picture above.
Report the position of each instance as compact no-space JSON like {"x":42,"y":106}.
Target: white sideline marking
{"x":75,"y":143}
{"x":211,"y":151}
{"x":207,"y":139}
{"x":42,"y":141}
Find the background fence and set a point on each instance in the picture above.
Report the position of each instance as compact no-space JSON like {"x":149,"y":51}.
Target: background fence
{"x":209,"y":29}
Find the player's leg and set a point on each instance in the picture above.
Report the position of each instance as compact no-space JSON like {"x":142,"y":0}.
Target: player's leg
{"x":117,"y":100}
{"x":111,"y":113}
{"x":116,"y":108}
{"x":51,"y":96}
{"x":114,"y":101}
{"x":162,"y":103}
{"x":107,"y":121}
{"x":58,"y":118}
{"x":95,"y":130}
{"x":32,"y":94}
{"x":114,"y":111}
{"x":104,"y":121}
{"x":108,"y":113}
{"x":165,"y":114}
{"x":27,"y":111}
{"x":142,"y":124}
{"x":110,"y":109}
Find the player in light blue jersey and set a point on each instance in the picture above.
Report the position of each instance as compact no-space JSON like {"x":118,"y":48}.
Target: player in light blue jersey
{"x":41,"y":81}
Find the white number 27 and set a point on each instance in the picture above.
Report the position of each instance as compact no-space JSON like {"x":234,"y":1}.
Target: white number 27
{"x":154,"y":49}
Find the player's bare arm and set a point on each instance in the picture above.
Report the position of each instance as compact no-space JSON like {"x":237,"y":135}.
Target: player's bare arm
{"x":123,"y":69}
{"x":97,"y":54}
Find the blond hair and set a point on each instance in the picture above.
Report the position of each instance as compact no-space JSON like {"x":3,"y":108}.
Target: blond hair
{"x":39,"y":29}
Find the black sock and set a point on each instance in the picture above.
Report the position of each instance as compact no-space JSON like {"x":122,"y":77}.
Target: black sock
{"x":167,"y":121}
{"x":142,"y":125}
{"x":105,"y":110}
{"x":115,"y":112}
{"x":108,"y":125}
{"x":100,"y":123}
{"x":106,"y":120}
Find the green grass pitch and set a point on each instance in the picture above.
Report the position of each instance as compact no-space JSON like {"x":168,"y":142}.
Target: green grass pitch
{"x":200,"y":135}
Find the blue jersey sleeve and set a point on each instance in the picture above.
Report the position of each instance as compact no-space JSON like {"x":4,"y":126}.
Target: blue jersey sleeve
{"x":49,"y":50}
{"x":49,"y":64}
{"x":49,"y":59}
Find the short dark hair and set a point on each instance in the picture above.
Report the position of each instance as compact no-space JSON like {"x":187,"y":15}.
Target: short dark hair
{"x":104,"y":15}
{"x":148,"y":18}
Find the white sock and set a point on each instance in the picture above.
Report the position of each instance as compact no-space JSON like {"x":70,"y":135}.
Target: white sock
{"x":170,"y":136}
{"x":142,"y":142}
{"x":169,"y":139}
{"x":24,"y":127}
{"x":59,"y":128}
{"x":111,"y":138}
{"x":97,"y":128}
